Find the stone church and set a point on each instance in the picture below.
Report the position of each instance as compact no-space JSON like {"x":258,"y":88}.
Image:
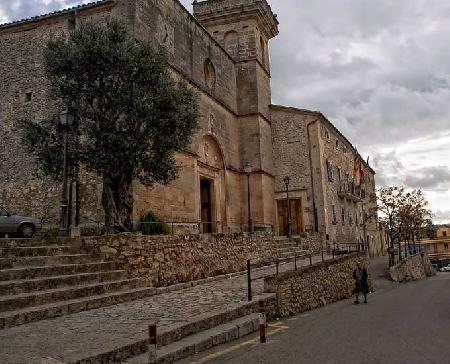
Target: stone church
{"x":222,"y":50}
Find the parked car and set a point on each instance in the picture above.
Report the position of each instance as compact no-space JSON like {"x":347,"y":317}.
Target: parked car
{"x":12,"y":224}
{"x":445,"y":269}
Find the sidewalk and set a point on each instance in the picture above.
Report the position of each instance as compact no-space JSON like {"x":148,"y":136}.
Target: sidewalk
{"x":86,"y":334}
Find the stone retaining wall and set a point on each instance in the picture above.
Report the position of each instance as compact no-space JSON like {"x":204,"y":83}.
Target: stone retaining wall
{"x":413,"y":268}
{"x":314,"y":286}
{"x":170,"y":260}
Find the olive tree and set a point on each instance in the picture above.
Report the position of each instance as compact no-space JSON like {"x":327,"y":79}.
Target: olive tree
{"x":131,"y":115}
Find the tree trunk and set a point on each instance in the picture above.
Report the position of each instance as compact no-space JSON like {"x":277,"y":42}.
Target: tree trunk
{"x":117,"y":201}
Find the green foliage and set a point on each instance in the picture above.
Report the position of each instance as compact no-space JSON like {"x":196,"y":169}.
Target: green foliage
{"x":151,"y":224}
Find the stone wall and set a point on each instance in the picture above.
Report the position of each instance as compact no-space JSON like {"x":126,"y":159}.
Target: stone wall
{"x":314,"y":286}
{"x":175,"y":259}
{"x":413,"y":268}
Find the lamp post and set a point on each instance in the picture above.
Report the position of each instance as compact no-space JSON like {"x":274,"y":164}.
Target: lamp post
{"x":248,"y":170}
{"x":286,"y":181}
{"x":66,"y":120}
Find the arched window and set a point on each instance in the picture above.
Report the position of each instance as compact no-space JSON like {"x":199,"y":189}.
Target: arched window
{"x":263,"y":50}
{"x":210,"y":74}
{"x":231,"y":41}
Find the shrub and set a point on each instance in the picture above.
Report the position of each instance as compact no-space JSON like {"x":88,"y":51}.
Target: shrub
{"x":150,"y":224}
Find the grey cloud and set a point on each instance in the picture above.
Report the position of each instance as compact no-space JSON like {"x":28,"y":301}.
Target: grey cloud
{"x":21,"y":9}
{"x":435,"y":178}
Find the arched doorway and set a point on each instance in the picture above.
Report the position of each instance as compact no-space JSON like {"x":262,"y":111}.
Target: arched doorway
{"x":212,"y":186}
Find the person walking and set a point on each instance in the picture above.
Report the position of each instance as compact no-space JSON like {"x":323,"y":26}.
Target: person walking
{"x":361,"y":282}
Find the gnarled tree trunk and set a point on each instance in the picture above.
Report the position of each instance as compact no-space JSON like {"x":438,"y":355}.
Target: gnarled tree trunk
{"x":117,"y":201}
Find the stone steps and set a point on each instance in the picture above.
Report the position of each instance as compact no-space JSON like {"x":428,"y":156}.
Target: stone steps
{"x":10,"y":243}
{"x":24,"y":300}
{"x":35,"y":251}
{"x":14,"y":287}
{"x":42,"y":261}
{"x":174,"y":333}
{"x":48,"y":311}
{"x":5,"y":263}
{"x":12,"y":274}
{"x":202,"y":341}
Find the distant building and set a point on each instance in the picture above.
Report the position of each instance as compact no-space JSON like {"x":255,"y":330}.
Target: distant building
{"x":443,"y":232}
{"x":223,"y":52}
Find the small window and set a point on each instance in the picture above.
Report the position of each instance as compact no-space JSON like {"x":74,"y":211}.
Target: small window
{"x":210,"y":74}
{"x":327,"y":135}
{"x":339,"y":175}
{"x":444,"y":234}
{"x":28,"y":96}
{"x":72,"y":23}
{"x":337,"y":143}
{"x":343,"y":215}
{"x":330,"y":170}
{"x":446,"y":246}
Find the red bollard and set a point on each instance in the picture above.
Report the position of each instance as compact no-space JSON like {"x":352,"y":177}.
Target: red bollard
{"x":152,"y":358}
{"x":262,"y":323}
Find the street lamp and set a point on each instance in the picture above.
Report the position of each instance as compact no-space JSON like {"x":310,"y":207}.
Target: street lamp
{"x":248,"y":170}
{"x":66,"y":120}
{"x":286,"y":181}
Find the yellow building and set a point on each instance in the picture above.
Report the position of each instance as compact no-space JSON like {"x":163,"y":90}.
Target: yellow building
{"x":443,"y":232}
{"x":438,"y":250}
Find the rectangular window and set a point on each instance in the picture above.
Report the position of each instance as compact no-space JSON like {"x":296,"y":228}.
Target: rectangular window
{"x":339,"y":175}
{"x":343,"y":215}
{"x":28,"y":96}
{"x":444,"y":233}
{"x":446,"y":246}
{"x":330,"y":170}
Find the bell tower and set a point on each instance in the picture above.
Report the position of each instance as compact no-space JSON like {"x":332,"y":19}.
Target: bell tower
{"x":244,"y":28}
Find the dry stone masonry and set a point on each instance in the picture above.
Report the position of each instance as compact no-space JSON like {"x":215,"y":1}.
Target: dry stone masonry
{"x":312,"y":287}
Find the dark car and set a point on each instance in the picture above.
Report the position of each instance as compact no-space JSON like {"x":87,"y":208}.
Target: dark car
{"x":11,"y":224}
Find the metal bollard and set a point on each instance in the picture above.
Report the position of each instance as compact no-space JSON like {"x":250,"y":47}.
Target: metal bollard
{"x":249,"y":281}
{"x":323,"y":259}
{"x":277,"y":262}
{"x":262,"y":323}
{"x":310,"y":259}
{"x":295,"y":262}
{"x":152,"y":358}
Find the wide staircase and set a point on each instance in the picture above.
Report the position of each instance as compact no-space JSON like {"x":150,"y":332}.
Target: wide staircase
{"x":289,"y":248}
{"x":39,"y":281}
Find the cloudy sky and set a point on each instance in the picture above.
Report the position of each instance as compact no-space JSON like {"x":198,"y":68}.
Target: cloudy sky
{"x":380,"y":70}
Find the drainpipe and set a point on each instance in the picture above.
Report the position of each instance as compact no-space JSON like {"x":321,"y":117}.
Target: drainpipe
{"x":316,"y":223}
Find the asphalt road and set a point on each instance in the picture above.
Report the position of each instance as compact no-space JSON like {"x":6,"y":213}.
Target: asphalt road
{"x":408,"y":323}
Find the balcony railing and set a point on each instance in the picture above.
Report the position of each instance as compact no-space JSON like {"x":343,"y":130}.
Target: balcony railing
{"x":350,"y":191}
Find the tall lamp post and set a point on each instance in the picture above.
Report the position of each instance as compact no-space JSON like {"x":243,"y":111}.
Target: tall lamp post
{"x":286,"y":181}
{"x":66,"y":120}
{"x":248,"y":170}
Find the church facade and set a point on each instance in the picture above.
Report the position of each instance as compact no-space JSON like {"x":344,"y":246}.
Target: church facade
{"x":222,"y":50}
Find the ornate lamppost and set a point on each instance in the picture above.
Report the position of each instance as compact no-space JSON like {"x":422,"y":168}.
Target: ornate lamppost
{"x":66,"y":120}
{"x":248,"y":170}
{"x":286,"y":181}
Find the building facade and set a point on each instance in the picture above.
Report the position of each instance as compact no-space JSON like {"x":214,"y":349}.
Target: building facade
{"x":222,"y":50}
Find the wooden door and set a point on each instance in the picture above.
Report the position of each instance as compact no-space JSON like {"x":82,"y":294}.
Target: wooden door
{"x":296,"y":216}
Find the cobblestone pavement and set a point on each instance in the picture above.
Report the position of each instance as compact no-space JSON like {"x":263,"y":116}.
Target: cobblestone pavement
{"x":84,"y":334}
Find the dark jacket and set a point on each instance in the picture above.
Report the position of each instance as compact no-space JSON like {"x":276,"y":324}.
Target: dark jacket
{"x":361,"y":285}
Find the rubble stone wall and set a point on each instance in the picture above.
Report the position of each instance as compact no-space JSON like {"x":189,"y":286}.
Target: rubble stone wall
{"x":170,"y":260}
{"x":311,"y":287}
{"x":413,"y":268}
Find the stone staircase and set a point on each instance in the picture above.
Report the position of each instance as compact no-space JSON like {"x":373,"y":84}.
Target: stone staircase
{"x":39,"y":282}
{"x":289,"y":248}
